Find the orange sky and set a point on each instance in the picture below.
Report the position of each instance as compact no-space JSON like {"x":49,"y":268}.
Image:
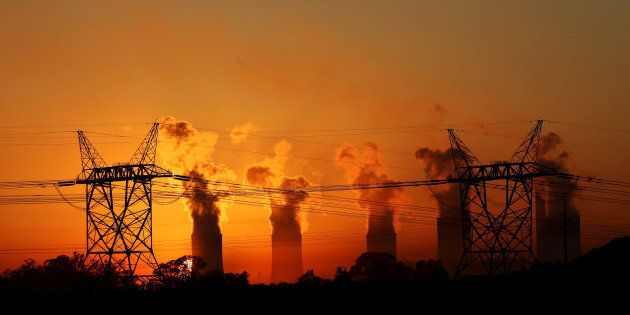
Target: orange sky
{"x":287,"y":66}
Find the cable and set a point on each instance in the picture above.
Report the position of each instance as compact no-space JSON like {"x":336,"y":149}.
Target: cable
{"x":374,"y":128}
{"x":588,"y":126}
{"x":563,"y":142}
{"x":73,"y":125}
{"x":66,"y":200}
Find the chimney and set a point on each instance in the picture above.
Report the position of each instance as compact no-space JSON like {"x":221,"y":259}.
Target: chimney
{"x":555,"y":228}
{"x":541,"y":216}
{"x":381,"y":242}
{"x":286,"y":257}
{"x":450,"y":241}
{"x":209,"y":247}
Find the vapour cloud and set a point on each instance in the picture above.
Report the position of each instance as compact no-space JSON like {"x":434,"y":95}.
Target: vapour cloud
{"x":286,"y":216}
{"x":553,"y":154}
{"x":365,"y":167}
{"x":438,"y":164}
{"x":240,"y":133}
{"x":187,"y":151}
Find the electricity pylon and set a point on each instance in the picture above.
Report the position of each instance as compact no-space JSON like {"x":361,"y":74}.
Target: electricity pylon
{"x":499,"y":240}
{"x":119,"y":226}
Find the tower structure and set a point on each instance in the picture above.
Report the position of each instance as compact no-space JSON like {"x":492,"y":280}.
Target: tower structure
{"x":118,"y":206}
{"x":499,"y":240}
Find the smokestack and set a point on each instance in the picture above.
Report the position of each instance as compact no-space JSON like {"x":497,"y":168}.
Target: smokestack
{"x":189,"y":154}
{"x":286,"y":236}
{"x":541,"y":216}
{"x":285,"y":217}
{"x":559,"y":230}
{"x":286,"y":257}
{"x":379,"y":242}
{"x":450,"y":241}
{"x":381,"y":235}
{"x":209,"y":247}
{"x":206,"y":238}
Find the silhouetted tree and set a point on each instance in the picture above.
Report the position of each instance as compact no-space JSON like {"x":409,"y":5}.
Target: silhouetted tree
{"x":181,"y":272}
{"x":430,"y":270}
{"x":58,"y":275}
{"x":237,"y":280}
{"x":309,"y":279}
{"x":27,"y":273}
{"x":342,"y":276}
{"x":379,"y":267}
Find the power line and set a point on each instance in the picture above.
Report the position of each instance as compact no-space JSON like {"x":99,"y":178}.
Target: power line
{"x":588,"y":126}
{"x":73,"y":125}
{"x":563,"y":142}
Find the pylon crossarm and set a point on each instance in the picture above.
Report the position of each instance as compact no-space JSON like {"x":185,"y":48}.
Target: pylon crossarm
{"x":124,"y":173}
{"x":462,"y":155}
{"x":90,"y":158}
{"x":145,"y":154}
{"x":527,"y":151}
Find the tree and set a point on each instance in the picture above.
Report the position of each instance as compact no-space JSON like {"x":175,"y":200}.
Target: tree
{"x":342,"y":276}
{"x":309,"y":279}
{"x":181,"y":272}
{"x":237,"y":280}
{"x":430,"y":270}
{"x":379,"y":267}
{"x":59,"y":274}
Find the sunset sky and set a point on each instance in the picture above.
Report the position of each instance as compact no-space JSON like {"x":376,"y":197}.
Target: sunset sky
{"x":311,"y":76}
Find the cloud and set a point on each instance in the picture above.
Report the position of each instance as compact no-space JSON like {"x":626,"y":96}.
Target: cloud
{"x":260,"y":176}
{"x":285,"y":214}
{"x":438,"y":164}
{"x":286,"y":217}
{"x":365,"y":167}
{"x":187,"y":151}
{"x":552,"y":153}
{"x":240,"y":133}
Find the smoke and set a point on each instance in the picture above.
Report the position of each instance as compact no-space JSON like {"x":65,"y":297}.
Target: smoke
{"x":203,"y":207}
{"x":180,"y":131}
{"x":559,"y":191}
{"x":240,"y":133}
{"x":439,"y":164}
{"x":286,"y":216}
{"x":187,"y":151}
{"x":438,"y":112}
{"x":259,"y":176}
{"x":364,"y":167}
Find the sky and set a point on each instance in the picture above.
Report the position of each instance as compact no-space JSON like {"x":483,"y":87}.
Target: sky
{"x":316,"y":75}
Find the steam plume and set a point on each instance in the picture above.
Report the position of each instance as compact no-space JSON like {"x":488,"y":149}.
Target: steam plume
{"x":552,"y":154}
{"x":285,"y":215}
{"x":259,"y":176}
{"x":439,"y":164}
{"x":240,"y":133}
{"x":365,"y":167}
{"x":188,"y":152}
{"x":287,"y":221}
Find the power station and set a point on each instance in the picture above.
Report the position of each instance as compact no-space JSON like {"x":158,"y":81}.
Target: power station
{"x":477,"y":237}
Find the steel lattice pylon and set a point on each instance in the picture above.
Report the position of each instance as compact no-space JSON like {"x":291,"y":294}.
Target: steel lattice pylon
{"x":500,"y":240}
{"x":119,"y":225}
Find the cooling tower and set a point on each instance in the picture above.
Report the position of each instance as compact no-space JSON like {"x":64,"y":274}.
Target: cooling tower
{"x":450,"y":242}
{"x":286,"y":257}
{"x":553,"y":234}
{"x":541,"y":215}
{"x":381,"y":242}
{"x":551,"y":230}
{"x":209,"y":247}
